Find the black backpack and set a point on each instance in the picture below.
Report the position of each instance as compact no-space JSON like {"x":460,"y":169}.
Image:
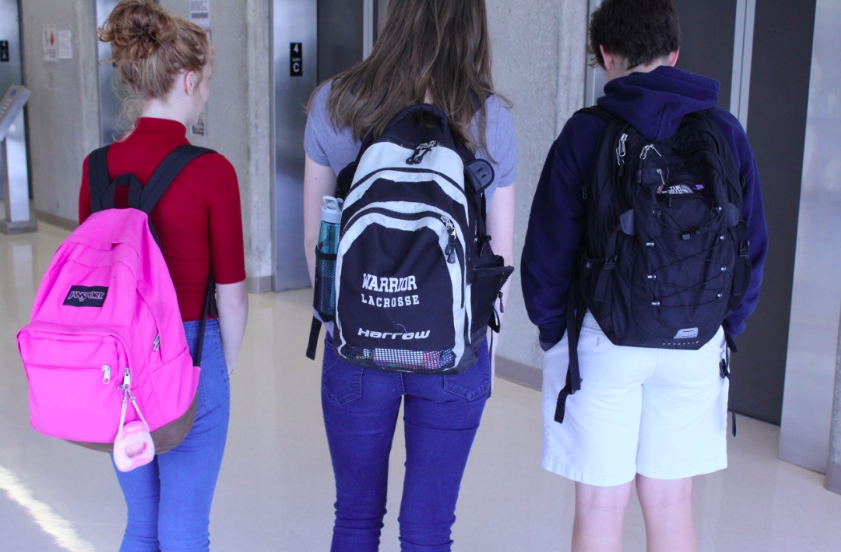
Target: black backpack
{"x":665,"y":257}
{"x":416,"y":278}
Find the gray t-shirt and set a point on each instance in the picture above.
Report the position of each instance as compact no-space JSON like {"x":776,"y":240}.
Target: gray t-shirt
{"x":337,"y":149}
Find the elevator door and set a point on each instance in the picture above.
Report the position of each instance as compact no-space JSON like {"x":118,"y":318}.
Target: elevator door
{"x":109,"y":102}
{"x":313,"y":41}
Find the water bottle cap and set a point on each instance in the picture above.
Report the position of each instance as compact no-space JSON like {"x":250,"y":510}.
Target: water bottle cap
{"x":331,"y":211}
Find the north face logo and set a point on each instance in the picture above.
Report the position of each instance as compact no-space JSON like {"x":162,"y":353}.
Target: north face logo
{"x":81,"y":296}
{"x":688,"y":333}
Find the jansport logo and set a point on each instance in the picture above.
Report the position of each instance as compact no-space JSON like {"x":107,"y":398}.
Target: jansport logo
{"x":391,"y":335}
{"x":81,"y":296}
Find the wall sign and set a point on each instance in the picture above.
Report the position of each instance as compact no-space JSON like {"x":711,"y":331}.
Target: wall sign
{"x":49,"y":41}
{"x":4,"y":51}
{"x":200,"y":13}
{"x":65,"y":45}
{"x":296,"y":60}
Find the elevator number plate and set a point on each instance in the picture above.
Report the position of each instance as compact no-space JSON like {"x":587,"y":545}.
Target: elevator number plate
{"x":296,"y":59}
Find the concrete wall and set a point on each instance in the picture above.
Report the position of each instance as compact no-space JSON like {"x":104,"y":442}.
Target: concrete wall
{"x":239,"y":117}
{"x":63,"y":111}
{"x":539,"y":52}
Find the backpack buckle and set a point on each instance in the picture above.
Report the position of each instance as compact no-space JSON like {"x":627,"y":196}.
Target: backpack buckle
{"x":744,"y":249}
{"x":610,"y":263}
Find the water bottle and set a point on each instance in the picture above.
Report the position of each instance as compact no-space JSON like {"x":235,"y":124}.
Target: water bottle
{"x":324,"y":301}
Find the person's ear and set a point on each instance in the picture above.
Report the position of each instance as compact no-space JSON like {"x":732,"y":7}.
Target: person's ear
{"x":673,"y":57}
{"x":190,"y":79}
{"x":608,"y":59}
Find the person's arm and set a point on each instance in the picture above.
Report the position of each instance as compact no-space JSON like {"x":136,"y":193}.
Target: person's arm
{"x":232,"y":301}
{"x":556,"y":224}
{"x":319,"y":181}
{"x":227,"y":252}
{"x":500,"y":226}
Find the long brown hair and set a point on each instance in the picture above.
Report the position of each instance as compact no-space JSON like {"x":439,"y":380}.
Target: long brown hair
{"x":435,"y":46}
{"x":150,"y":48}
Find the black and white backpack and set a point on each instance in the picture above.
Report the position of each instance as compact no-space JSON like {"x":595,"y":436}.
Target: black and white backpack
{"x":666,"y":256}
{"x":416,"y":278}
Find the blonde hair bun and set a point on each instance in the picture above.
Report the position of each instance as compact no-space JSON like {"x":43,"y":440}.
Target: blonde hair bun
{"x":136,"y":30}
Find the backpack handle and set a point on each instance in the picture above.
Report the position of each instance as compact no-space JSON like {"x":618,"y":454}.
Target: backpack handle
{"x":425,"y":108}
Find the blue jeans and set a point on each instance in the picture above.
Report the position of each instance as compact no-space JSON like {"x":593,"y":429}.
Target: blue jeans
{"x":169,"y":499}
{"x":441,"y":416}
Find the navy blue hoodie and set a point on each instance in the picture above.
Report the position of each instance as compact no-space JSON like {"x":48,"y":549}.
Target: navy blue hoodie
{"x":654,"y":103}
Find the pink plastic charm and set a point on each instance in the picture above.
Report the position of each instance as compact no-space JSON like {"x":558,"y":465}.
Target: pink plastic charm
{"x":134,"y":447}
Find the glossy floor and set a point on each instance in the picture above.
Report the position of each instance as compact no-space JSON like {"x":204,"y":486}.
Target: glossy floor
{"x":276,"y":489}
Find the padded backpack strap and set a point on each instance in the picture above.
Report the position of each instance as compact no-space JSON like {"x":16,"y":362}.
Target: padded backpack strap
{"x":166,"y":173}
{"x":603,"y":114}
{"x":98,"y":177}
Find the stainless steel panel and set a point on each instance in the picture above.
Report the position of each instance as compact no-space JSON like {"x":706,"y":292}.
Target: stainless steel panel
{"x":109,"y":101}
{"x":595,"y":81}
{"x":816,"y":299}
{"x":13,"y":161}
{"x":10,"y":71}
{"x":293,"y":21}
{"x":742,"y":56}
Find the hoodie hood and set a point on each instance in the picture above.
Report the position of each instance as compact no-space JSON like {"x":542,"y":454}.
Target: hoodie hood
{"x":656,"y":102}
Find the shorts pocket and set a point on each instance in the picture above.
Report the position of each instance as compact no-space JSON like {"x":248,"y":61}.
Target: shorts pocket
{"x":341,"y":382}
{"x":474,"y":382}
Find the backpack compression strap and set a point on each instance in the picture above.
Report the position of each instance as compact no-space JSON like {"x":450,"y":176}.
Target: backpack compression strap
{"x":576,"y":309}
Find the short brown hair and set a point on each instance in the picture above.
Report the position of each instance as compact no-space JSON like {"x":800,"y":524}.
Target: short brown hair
{"x":641,"y":31}
{"x":150,"y":47}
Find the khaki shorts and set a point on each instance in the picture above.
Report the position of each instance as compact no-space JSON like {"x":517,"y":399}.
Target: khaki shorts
{"x":657,"y":412}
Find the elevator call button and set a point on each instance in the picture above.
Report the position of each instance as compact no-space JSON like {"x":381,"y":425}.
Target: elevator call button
{"x":4,"y":50}
{"x":296,"y":59}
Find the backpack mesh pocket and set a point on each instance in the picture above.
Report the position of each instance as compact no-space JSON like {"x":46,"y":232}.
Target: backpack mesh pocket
{"x":484,"y":291}
{"x":401,"y":360}
{"x":324,"y":299}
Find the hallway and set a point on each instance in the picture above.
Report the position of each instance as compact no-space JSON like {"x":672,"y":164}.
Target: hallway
{"x":275,"y":492}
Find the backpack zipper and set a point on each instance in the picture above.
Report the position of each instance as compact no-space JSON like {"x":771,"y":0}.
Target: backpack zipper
{"x":420,"y":152}
{"x":106,"y":375}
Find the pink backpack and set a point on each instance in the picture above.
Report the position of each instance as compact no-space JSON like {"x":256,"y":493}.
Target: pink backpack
{"x":106,"y":345}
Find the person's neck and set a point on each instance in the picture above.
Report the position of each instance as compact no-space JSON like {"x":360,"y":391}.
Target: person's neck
{"x":160,"y":110}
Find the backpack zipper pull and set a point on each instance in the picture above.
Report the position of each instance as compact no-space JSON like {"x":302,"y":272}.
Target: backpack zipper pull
{"x":127,"y":381}
{"x":620,"y":150}
{"x":450,"y":251}
{"x":620,"y":153}
{"x":420,"y":152}
{"x":648,"y":148}
{"x":106,"y":375}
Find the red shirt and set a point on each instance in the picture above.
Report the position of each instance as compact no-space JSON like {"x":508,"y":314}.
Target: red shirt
{"x":198,"y":220}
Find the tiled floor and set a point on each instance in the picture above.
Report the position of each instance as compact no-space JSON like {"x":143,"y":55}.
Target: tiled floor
{"x":276,"y":490}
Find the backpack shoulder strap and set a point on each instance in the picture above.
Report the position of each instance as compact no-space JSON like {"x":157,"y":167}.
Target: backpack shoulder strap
{"x":98,"y":177}
{"x":603,"y":114}
{"x":166,"y":173}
